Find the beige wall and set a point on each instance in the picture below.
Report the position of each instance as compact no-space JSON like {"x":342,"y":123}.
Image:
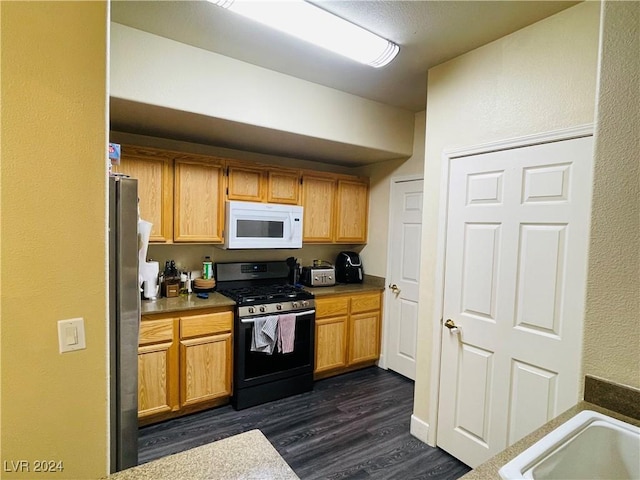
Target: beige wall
{"x":538,"y":79}
{"x":374,"y":254}
{"x":53,"y":230}
{"x":153,"y":70}
{"x":612,"y":323}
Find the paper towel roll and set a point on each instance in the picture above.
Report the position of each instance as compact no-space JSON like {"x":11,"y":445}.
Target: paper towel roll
{"x":149,"y":275}
{"x":144,"y":230}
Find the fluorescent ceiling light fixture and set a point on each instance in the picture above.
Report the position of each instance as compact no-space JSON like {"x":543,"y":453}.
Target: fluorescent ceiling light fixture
{"x":317,"y":26}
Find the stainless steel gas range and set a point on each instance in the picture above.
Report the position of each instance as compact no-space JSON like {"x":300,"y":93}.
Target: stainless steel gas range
{"x":274,"y":334}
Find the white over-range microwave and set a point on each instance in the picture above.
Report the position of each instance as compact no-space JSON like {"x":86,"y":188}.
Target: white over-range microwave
{"x":262,"y":225}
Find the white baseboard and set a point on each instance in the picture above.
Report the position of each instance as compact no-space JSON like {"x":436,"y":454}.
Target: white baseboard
{"x":419,"y":429}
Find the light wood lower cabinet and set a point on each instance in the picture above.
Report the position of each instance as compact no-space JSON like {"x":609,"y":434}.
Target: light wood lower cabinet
{"x":331,"y":343}
{"x":184,"y":363}
{"x":347,"y":332}
{"x":158,"y":368}
{"x":205,"y":357}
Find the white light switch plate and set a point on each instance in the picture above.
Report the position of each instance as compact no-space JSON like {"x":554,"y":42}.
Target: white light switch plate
{"x":71,"y":335}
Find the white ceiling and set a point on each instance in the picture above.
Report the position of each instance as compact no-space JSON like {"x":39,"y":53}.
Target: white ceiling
{"x":428,"y":32}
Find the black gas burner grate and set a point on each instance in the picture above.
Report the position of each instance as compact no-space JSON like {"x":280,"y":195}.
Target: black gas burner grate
{"x":265,"y":293}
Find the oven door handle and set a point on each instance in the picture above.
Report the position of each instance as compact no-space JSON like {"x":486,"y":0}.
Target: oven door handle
{"x":297,"y":314}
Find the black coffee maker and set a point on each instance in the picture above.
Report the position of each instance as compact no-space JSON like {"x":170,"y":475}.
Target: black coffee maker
{"x":349,"y":268}
{"x":294,"y":271}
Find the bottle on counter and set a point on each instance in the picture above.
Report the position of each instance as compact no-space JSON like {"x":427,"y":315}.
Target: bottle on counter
{"x":184,"y":279}
{"x":207,"y":268}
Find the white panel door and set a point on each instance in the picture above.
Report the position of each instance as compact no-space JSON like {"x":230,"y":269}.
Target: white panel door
{"x":404,"y":252}
{"x":515,"y":279}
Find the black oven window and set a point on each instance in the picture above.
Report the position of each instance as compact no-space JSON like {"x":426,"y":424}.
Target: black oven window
{"x":259,"y":229}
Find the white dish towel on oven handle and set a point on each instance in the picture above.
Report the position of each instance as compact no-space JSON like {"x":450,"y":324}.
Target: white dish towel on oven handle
{"x":265,"y":334}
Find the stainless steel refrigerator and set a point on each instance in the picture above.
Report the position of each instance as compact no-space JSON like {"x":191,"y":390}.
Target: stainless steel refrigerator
{"x":124,"y":321}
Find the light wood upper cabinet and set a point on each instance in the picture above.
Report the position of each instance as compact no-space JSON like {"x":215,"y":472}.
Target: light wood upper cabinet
{"x":245,"y":183}
{"x":283,"y":186}
{"x":198,"y":214}
{"x":335,"y":208}
{"x":318,"y":194}
{"x":352,"y":208}
{"x":184,"y":195}
{"x":154,"y":170}
{"x":261,"y":183}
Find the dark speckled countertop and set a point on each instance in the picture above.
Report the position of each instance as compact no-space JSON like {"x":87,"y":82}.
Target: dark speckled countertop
{"x":192,"y":302}
{"x":370,"y":284}
{"x":187,"y":302}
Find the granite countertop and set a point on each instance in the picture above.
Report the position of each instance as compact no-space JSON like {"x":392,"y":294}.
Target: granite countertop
{"x":489,"y":469}
{"x":192,"y":302}
{"x":187,"y":302}
{"x":370,"y":284}
{"x":246,"y":456}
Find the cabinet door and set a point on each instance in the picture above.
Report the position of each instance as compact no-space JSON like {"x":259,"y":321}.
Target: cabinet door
{"x":364,"y":337}
{"x":283,"y":187}
{"x":153,"y":169}
{"x":351,"y":211}
{"x":318,"y":194}
{"x":205,"y":372}
{"x":157,"y":368}
{"x":245,"y":183}
{"x":331,"y":344}
{"x":198,"y":201}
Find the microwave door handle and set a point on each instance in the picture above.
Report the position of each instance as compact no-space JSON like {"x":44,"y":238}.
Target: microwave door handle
{"x":291,"y":223}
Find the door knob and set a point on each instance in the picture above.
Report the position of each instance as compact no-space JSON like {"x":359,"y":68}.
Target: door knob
{"x":450,"y":324}
{"x":394,"y":288}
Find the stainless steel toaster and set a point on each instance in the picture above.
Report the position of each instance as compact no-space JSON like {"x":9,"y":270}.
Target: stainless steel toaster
{"x":322,"y":276}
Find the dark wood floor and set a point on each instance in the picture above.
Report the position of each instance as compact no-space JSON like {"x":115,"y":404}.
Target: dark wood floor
{"x":352,"y":426}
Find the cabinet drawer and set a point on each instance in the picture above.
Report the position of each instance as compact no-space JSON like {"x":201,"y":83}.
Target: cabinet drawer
{"x":365,"y":303}
{"x":329,"y":307}
{"x":155,"y":331}
{"x":210,"y":323}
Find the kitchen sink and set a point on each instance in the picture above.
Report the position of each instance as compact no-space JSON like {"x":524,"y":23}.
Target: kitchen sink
{"x":588,"y":446}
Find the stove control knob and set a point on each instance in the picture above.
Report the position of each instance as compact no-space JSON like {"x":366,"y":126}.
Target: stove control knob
{"x":263,"y":308}
{"x":252,"y":310}
{"x":294,"y":304}
{"x":305,"y":303}
{"x":278,"y":307}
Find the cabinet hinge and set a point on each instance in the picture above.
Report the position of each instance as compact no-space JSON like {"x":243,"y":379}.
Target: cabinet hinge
{"x":227,"y":190}
{"x":227,"y":172}
{"x":300,"y":180}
